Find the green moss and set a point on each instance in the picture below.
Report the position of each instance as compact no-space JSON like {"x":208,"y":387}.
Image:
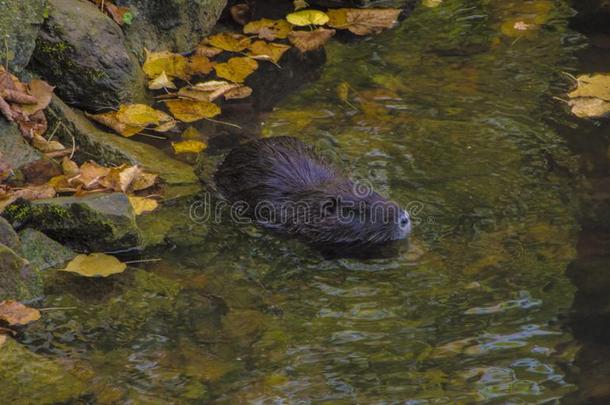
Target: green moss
{"x":18,"y":212}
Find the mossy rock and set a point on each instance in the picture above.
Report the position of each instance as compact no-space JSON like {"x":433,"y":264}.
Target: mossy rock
{"x":97,"y":222}
{"x":43,"y":252}
{"x":8,"y":236}
{"x":14,"y":148}
{"x":18,"y":279}
{"x":82,"y":52}
{"x":28,"y":378}
{"x":20,"y":22}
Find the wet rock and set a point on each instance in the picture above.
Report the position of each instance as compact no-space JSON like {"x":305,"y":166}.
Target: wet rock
{"x":43,"y":252}
{"x":170,"y":24}
{"x":97,"y":222}
{"x":18,"y":279}
{"x":28,"y":378}
{"x":13,"y":146}
{"x":113,"y":149}
{"x":82,"y":52}
{"x":8,"y":236}
{"x":20,"y":22}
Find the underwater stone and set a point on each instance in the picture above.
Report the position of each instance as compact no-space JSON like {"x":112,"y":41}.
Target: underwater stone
{"x":43,"y":252}
{"x":18,"y":279}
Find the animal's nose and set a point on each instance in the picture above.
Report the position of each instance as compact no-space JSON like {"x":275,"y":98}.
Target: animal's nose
{"x":404,"y":221}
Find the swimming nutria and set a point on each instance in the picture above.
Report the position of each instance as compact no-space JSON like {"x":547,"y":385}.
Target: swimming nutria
{"x":284,"y":185}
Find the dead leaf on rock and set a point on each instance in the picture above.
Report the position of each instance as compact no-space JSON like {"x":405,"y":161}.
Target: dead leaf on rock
{"x":161,"y":82}
{"x":143,"y":181}
{"x":272,"y":50}
{"x":229,"y":41}
{"x":35,"y":192}
{"x":173,"y":64}
{"x":236,"y":69}
{"x":189,"y":146}
{"x":40,"y":171}
{"x":45,"y":146}
{"x":90,"y":175}
{"x":269,"y":29}
{"x":43,"y":92}
{"x":16,"y":314}
{"x":95,"y":265}
{"x":307,"y":41}
{"x":189,"y":111}
{"x":364,"y":21}
{"x":142,"y":204}
{"x":120,"y":178}
{"x":35,"y":124}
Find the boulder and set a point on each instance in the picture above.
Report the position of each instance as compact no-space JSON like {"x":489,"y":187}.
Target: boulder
{"x":14,"y":148}
{"x":97,"y":222}
{"x":176,"y":25}
{"x":8,"y":236}
{"x":29,"y":378}
{"x":18,"y":279}
{"x":82,"y":52}
{"x":43,"y":252}
{"x":20,"y":22}
{"x":109,"y":148}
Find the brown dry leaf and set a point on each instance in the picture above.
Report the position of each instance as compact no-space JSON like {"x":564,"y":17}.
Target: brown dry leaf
{"x":189,"y":111}
{"x":40,"y":171}
{"x":35,"y":124}
{"x":238,"y":93}
{"x":35,"y":192}
{"x":17,"y":314}
{"x":274,"y":51}
{"x":95,"y":265}
{"x":269,"y":29}
{"x":109,"y":119}
{"x":143,"y":181}
{"x":189,"y":93}
{"x":191,"y":133}
{"x":364,"y":21}
{"x":173,"y":64}
{"x":189,"y":146}
{"x":229,"y":41}
{"x":61,"y":184}
{"x":120,"y":178}
{"x":45,"y":146}
{"x":43,"y":92}
{"x":236,"y":69}
{"x":142,"y":204}
{"x":90,"y":175}
{"x":200,"y":65}
{"x":211,"y":90}
{"x":161,"y":82}
{"x":133,"y":118}
{"x":207,"y":51}
{"x":595,"y":85}
{"x":310,"y":40}
{"x":69,"y":167}
{"x":590,"y":107}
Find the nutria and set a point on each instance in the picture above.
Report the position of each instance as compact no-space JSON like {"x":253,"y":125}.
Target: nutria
{"x":284,"y":185}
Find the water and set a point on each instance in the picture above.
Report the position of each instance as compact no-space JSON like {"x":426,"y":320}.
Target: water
{"x":452,"y":115}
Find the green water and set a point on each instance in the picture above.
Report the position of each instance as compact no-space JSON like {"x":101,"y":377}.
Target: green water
{"x":447,"y":115}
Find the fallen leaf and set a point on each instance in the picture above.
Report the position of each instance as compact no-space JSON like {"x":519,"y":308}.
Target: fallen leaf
{"x":61,"y":184}
{"x":207,"y":51}
{"x":142,"y":204}
{"x":90,"y":175}
{"x":307,"y":17}
{"x":189,"y":146}
{"x":189,"y":111}
{"x":432,"y":3}
{"x":191,"y":133}
{"x":300,"y":4}
{"x":45,"y":146}
{"x":161,"y":82}
{"x":17,"y":314}
{"x":120,"y":178}
{"x":110,"y":120}
{"x":95,"y":265}
{"x":238,"y":93}
{"x":229,"y":41}
{"x":35,"y":192}
{"x":174,"y":65}
{"x":200,"y":65}
{"x":307,"y":41}
{"x":43,"y":92}
{"x":269,"y":29}
{"x":69,"y":167}
{"x":274,"y":51}
{"x":133,"y":118}
{"x":209,"y":91}
{"x":364,"y":21}
{"x":590,"y":107}
{"x":236,"y":69}
{"x":596,"y":85}
{"x":35,"y":124}
{"x":143,"y":181}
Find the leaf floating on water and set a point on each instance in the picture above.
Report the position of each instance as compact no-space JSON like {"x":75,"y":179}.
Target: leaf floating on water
{"x":590,"y":107}
{"x":120,"y":178}
{"x":238,"y":93}
{"x":200,"y":65}
{"x":300,"y":4}
{"x":591,"y":99}
{"x":307,"y":17}
{"x":95,"y":265}
{"x":269,"y":29}
{"x":16,"y":314}
{"x":189,"y":146}
{"x":132,"y":118}
{"x":191,"y":133}
{"x":189,"y":111}
{"x":364,"y":21}
{"x":307,"y":41}
{"x":236,"y":69}
{"x":142,"y":204}
{"x":229,"y":41}
{"x":272,"y":50}
{"x":207,"y":51}
{"x":161,"y":82}
{"x":173,"y":64}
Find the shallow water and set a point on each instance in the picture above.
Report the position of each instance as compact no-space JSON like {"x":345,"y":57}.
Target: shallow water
{"x":451,"y":114}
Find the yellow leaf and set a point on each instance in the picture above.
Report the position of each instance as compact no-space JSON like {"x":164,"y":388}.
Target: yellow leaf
{"x":307,"y":17}
{"x":300,"y":4}
{"x":90,"y":175}
{"x":161,"y":82}
{"x":189,"y":146}
{"x":207,"y":91}
{"x":432,"y":3}
{"x":274,"y":51}
{"x":237,"y":93}
{"x":60,"y":183}
{"x":189,"y":111}
{"x":15,"y":313}
{"x":69,"y":167}
{"x":590,"y":107}
{"x":236,"y":69}
{"x":45,"y":146}
{"x":206,"y":50}
{"x":120,"y":178}
{"x":343,"y":91}
{"x":143,"y":181}
{"x":133,"y":118}
{"x":109,"y":119}
{"x":201,"y":65}
{"x":596,"y":85}
{"x":364,"y":21}
{"x":174,"y":65}
{"x":269,"y":29}
{"x":141,"y":204}
{"x":95,"y":265}
{"x":191,"y":133}
{"x":310,"y":40}
{"x":229,"y":41}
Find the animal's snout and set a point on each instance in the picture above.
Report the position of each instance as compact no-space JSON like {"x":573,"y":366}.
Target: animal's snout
{"x":404,"y":223}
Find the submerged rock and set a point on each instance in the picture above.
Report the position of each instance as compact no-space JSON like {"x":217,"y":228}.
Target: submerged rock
{"x":18,"y":279}
{"x":170,"y":24}
{"x":113,"y":149}
{"x":20,"y":22}
{"x":43,"y":252}
{"x":96,"y":222}
{"x":28,"y":378}
{"x":82,"y":52}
